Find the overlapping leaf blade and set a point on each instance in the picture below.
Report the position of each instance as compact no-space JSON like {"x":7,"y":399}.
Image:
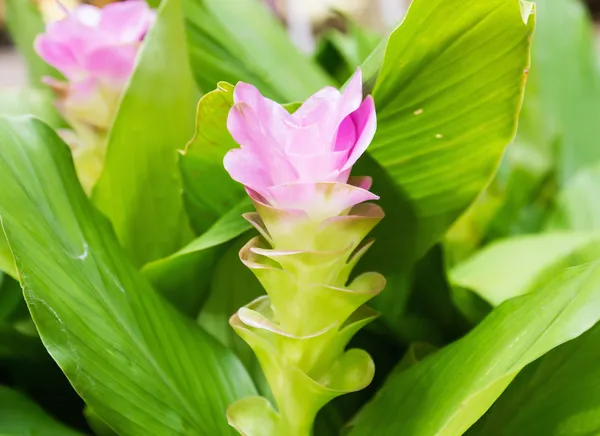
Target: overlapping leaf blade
{"x":555,"y":395}
{"x":141,"y":366}
{"x":446,"y":111}
{"x":515,"y":266}
{"x":448,"y":96}
{"x":209,"y":191}
{"x":449,"y":390}
{"x":184,"y":277}
{"x":139,"y":188}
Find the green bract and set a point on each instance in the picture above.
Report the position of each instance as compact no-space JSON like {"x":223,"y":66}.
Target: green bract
{"x":300,"y":330}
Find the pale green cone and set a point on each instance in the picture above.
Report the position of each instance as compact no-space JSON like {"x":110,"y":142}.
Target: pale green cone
{"x":300,"y":330}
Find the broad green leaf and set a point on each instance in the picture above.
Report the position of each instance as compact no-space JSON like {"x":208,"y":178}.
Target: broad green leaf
{"x":555,"y":395}
{"x":448,"y":96}
{"x":139,"y":188}
{"x":24,"y":101}
{"x":241,"y":40}
{"x":452,"y":388}
{"x":20,"y":416}
{"x":184,"y":277}
{"x":448,"y":93}
{"x":515,"y":266}
{"x":209,"y":191}
{"x":142,"y":367}
{"x":577,"y":206}
{"x":25,"y":22}
{"x":558,"y":118}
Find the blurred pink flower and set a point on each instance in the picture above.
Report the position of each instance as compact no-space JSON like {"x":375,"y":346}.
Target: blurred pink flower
{"x":95,"y":50}
{"x":286,"y":158}
{"x":96,"y":43}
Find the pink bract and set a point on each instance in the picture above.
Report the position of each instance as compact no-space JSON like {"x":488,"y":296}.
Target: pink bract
{"x":97,"y":43}
{"x":319,"y":142}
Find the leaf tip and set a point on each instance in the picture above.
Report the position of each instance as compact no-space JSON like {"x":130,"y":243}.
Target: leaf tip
{"x":527,"y":10}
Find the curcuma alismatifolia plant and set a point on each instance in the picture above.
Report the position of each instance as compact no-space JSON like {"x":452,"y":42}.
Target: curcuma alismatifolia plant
{"x":194,"y":240}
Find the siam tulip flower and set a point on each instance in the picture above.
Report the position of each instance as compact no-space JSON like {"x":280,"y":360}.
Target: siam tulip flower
{"x":312,"y":217}
{"x":95,"y":50}
{"x":296,"y":160}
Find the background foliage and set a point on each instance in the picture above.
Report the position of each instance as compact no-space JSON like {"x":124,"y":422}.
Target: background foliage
{"x":489,"y":321}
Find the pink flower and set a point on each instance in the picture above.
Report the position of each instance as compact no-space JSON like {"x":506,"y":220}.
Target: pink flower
{"x":286,"y":158}
{"x":95,"y":50}
{"x":99,"y":44}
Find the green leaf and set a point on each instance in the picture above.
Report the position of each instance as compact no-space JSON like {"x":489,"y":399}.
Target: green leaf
{"x":451,"y":389}
{"x":25,"y":22}
{"x":515,"y":266}
{"x":448,"y":93}
{"x":448,"y":96}
{"x":20,"y":416}
{"x":556,"y":128}
{"x":141,"y":366}
{"x":555,"y":395}
{"x":139,"y":188}
{"x":209,"y":191}
{"x":184,"y":277}
{"x":241,"y":40}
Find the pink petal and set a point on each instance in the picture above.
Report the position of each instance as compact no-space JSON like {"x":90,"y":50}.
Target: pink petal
{"x":57,"y":54}
{"x":246,"y":129}
{"x":129,"y":21}
{"x":352,"y":96}
{"x":113,"y":62}
{"x":77,"y":34}
{"x":322,"y":167}
{"x":365,"y":121}
{"x":258,"y":170}
{"x":317,"y":108}
{"x":274,"y":118}
{"x":244,"y":126}
{"x":301,"y":140}
{"x":243,"y":167}
{"x":346,"y":135}
{"x":327,"y":109}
